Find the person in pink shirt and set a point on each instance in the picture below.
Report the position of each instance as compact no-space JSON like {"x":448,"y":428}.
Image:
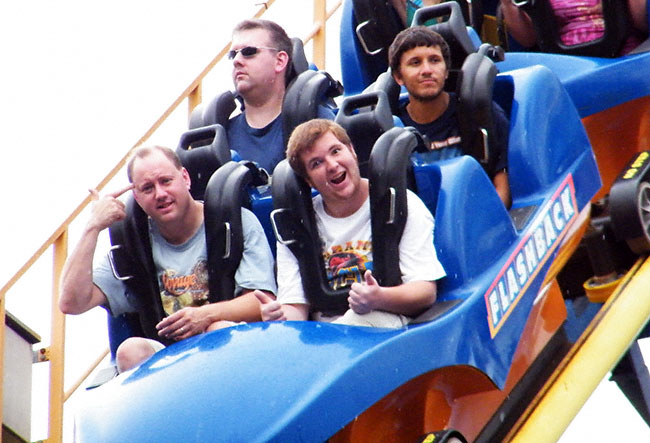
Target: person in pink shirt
{"x":579,"y":21}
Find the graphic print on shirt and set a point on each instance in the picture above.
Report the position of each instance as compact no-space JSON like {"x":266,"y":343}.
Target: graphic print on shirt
{"x":454,"y":140}
{"x":180,"y":291}
{"x":347,"y":263}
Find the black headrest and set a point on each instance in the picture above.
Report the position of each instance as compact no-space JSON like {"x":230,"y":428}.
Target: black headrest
{"x":453,"y":30}
{"x":202,"y":161}
{"x":377,"y":25}
{"x":299,"y":61}
{"x":218,"y":110}
{"x":365,"y":117}
{"x":304,"y":95}
{"x":386,"y":83}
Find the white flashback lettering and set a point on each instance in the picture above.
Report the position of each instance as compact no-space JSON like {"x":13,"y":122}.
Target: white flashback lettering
{"x":541,"y":238}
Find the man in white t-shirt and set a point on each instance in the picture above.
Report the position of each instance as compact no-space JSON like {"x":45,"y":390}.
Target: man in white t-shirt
{"x":321,"y":152}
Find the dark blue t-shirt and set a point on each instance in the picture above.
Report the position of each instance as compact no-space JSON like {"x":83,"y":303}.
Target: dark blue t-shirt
{"x":265,"y":146}
{"x":444,"y":135}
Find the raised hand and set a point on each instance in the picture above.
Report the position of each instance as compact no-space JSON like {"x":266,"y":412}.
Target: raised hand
{"x":270,"y":309}
{"x":107,"y":209}
{"x":365,"y":297}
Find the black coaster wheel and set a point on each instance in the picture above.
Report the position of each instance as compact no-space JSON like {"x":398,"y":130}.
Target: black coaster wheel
{"x":642,"y":243}
{"x":629,"y":200}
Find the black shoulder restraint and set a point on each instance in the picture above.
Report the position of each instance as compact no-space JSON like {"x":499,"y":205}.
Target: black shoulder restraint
{"x":475,"y":108}
{"x":132,"y":262}
{"x":225,"y":196}
{"x":390,"y":176}
{"x":617,"y":27}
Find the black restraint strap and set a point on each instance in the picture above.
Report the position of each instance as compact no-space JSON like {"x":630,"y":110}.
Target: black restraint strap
{"x":132,"y":262}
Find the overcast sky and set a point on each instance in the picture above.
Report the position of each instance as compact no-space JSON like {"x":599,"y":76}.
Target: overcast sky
{"x":81,"y":83}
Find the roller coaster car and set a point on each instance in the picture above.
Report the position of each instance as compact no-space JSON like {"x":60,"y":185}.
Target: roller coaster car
{"x":499,"y":316}
{"x":500,"y":324}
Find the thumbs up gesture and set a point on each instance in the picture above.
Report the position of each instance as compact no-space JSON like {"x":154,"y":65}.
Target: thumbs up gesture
{"x":270,"y":309}
{"x":365,"y":297}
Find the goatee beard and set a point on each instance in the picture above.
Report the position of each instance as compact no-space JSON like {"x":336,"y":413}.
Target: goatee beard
{"x":426,"y":98}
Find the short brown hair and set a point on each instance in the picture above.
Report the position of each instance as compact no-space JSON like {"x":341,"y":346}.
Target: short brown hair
{"x":414,"y":37}
{"x":305,"y":135}
{"x":145,"y":151}
{"x":279,"y":38}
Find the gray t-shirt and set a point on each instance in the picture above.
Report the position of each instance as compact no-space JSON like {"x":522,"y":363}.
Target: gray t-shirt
{"x":183,"y":273}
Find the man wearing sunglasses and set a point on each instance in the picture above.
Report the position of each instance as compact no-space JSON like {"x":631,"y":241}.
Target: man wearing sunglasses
{"x":261,"y":55}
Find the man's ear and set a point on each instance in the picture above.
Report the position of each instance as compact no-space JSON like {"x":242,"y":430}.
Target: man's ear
{"x":398,"y":78}
{"x":186,"y":178}
{"x":282,"y":61}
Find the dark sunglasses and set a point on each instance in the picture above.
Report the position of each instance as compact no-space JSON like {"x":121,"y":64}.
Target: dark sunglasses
{"x":247,"y":51}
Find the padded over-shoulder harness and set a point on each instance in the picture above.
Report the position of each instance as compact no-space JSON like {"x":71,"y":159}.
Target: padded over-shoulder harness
{"x":475,"y":108}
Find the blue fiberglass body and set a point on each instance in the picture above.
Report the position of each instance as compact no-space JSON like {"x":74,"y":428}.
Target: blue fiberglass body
{"x":304,"y":381}
{"x":594,"y":84}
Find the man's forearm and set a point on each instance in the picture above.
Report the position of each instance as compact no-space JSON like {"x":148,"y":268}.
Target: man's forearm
{"x":78,"y":293}
{"x":245,"y":308}
{"x":408,"y":298}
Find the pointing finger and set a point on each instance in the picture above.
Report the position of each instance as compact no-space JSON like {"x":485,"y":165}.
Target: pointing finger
{"x":122,"y":191}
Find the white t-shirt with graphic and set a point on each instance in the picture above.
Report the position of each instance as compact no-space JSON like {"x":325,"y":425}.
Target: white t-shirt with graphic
{"x":347,"y":250}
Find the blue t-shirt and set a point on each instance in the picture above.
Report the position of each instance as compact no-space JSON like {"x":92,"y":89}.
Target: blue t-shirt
{"x":444,"y":135}
{"x":183,"y":273}
{"x":265,"y":146}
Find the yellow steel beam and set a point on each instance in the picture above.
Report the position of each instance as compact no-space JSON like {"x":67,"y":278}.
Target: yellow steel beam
{"x":57,"y":347}
{"x":2,"y":354}
{"x":318,"y":31}
{"x":195,"y":97}
{"x":610,"y":334}
{"x":320,"y":15}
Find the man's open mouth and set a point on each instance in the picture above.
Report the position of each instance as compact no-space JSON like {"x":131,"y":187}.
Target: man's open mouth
{"x":338,"y":179}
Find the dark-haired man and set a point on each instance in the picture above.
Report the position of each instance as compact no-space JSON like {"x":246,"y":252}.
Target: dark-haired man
{"x":419,"y":60}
